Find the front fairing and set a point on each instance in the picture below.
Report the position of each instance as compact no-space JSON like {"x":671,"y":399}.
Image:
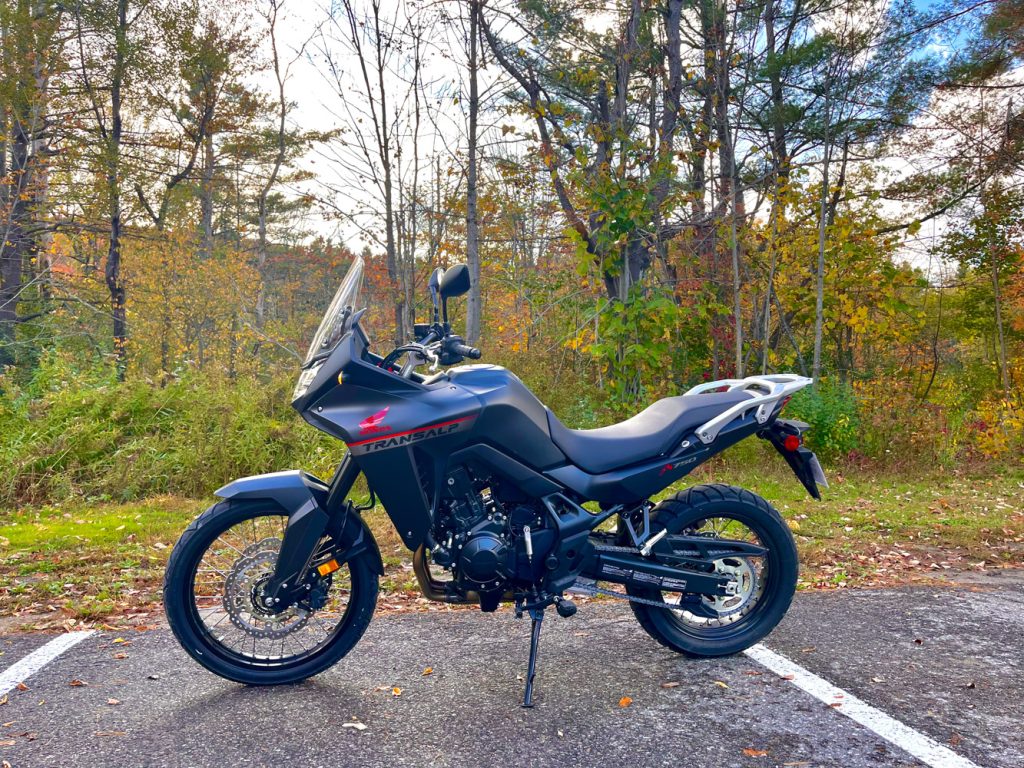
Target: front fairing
{"x":350,"y":387}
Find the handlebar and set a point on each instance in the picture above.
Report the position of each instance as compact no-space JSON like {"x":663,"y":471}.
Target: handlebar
{"x":461,"y":349}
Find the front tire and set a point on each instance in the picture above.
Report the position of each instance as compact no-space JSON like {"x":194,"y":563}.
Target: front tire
{"x":232,"y":639}
{"x":704,"y":628}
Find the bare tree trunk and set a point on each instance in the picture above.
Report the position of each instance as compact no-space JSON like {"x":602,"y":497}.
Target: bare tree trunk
{"x":473,"y":307}
{"x":206,"y":197}
{"x":112,"y":271}
{"x":1004,"y":371}
{"x":819,"y":300}
{"x":262,"y":247}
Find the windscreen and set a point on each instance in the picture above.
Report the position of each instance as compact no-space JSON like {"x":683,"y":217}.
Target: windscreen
{"x":344,"y":303}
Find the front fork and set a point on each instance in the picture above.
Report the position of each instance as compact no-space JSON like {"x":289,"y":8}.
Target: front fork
{"x":306,"y":527}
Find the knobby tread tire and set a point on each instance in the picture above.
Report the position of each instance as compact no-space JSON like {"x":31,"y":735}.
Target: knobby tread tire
{"x":681,"y":510}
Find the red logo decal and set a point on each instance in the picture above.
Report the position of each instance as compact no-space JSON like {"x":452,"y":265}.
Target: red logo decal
{"x":371,"y":425}
{"x":666,"y":468}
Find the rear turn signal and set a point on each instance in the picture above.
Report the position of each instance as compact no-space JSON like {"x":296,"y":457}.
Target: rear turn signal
{"x":326,"y":568}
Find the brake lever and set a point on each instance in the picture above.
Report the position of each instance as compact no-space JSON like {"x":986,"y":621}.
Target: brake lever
{"x":435,"y":362}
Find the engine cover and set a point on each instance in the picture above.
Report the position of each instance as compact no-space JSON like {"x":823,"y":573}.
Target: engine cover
{"x":483,"y":560}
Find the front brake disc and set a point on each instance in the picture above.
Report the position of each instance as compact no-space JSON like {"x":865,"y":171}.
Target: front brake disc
{"x":244,"y":586}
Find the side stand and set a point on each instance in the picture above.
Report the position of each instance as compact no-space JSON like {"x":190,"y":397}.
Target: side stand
{"x":537,"y":614}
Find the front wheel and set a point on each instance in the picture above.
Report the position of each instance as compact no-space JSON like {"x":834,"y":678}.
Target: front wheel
{"x":702,"y":626}
{"x":217,"y":571}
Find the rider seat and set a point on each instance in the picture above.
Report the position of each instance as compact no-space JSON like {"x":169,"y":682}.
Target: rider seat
{"x":654,"y":431}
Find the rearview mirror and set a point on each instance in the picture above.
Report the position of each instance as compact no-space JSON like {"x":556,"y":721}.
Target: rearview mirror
{"x":435,"y":286}
{"x":455,"y":281}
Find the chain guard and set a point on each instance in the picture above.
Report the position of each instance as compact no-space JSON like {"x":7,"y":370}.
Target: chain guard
{"x":588,"y":587}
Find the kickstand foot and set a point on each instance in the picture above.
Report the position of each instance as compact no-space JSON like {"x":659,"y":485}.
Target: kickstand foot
{"x":537,"y":614}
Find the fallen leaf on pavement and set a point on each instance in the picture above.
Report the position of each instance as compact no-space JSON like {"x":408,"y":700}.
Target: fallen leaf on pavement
{"x":672,"y":684}
{"x":7,"y":743}
{"x":797,"y":763}
{"x":111,"y":733}
{"x":113,"y":702}
{"x":396,"y":691}
{"x":76,"y":683}
{"x":755,"y":752}
{"x":120,"y":655}
{"x":3,"y":700}
{"x":428,"y":671}
{"x":21,"y":687}
{"x":560,"y":734}
{"x":357,"y":726}
{"x":625,"y":701}
{"x":720,"y":684}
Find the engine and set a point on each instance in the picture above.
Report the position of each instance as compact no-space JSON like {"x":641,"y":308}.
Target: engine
{"x":489,"y":546}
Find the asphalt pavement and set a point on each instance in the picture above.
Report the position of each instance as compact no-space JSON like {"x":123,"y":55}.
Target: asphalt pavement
{"x":944,"y":664}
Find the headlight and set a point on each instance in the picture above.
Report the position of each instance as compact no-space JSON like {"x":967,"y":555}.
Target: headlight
{"x":305,"y":379}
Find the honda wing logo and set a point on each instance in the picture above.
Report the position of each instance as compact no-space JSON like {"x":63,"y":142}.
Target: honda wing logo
{"x":372,"y":425}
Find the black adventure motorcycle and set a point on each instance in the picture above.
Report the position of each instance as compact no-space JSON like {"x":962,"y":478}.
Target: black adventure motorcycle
{"x":498,"y":501}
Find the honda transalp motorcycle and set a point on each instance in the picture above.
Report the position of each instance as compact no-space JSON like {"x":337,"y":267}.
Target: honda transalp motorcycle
{"x":498,"y":501}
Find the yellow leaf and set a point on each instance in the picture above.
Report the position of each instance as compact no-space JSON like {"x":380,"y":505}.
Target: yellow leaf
{"x":396,"y":691}
{"x":428,"y":671}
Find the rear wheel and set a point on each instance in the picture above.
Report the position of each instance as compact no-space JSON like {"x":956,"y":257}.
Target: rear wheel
{"x":701,"y":626}
{"x":211,"y":588}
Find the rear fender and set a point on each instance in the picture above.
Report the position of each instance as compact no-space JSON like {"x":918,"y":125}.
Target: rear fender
{"x":801,"y":460}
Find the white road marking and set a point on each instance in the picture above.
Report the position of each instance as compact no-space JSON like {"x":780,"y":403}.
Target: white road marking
{"x":922,"y":747}
{"x":22,"y":670}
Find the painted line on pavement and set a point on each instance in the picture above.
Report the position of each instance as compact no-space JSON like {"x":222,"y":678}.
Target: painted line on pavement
{"x":24,"y":669}
{"x":922,"y":747}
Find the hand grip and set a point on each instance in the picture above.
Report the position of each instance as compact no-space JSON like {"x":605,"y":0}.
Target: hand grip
{"x":471,"y":352}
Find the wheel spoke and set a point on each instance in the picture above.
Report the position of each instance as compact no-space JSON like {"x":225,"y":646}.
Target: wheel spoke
{"x":226,"y":589}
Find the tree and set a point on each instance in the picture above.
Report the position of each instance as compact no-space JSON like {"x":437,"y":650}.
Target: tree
{"x":992,"y":245}
{"x":30,"y":46}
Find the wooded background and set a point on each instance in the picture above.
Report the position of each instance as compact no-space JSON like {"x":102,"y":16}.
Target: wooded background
{"x":649,"y":193}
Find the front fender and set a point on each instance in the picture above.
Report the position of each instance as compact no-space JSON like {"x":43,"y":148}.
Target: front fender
{"x":304,"y":499}
{"x":291,"y":489}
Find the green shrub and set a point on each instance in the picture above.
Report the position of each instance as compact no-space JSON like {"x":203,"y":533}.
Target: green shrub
{"x":68,"y":433}
{"x":831,"y":410}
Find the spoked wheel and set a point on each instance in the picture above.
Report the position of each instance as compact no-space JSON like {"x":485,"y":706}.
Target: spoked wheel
{"x":698,"y":625}
{"x":213,"y":595}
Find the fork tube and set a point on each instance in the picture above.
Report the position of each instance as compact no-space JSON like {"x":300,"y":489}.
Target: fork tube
{"x":344,"y":478}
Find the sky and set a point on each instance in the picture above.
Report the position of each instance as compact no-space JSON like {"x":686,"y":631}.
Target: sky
{"x":303,"y":28}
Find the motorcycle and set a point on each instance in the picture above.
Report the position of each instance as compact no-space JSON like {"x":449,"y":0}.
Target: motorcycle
{"x":498,"y":501}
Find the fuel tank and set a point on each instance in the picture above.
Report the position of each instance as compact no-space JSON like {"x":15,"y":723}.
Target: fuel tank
{"x":511,"y":418}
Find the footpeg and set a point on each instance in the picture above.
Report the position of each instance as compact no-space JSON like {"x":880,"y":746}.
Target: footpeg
{"x":565,"y":608}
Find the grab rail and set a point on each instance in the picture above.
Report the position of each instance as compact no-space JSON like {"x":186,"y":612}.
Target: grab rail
{"x":771,"y":389}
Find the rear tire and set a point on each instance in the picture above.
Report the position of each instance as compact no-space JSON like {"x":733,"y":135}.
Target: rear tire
{"x":201,"y":643}
{"x":688,"y":510}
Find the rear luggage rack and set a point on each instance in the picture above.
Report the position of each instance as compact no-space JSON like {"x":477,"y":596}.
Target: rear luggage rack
{"x":765,"y":392}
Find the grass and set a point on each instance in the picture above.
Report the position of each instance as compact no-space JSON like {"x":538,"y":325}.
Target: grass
{"x":103,"y":562}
